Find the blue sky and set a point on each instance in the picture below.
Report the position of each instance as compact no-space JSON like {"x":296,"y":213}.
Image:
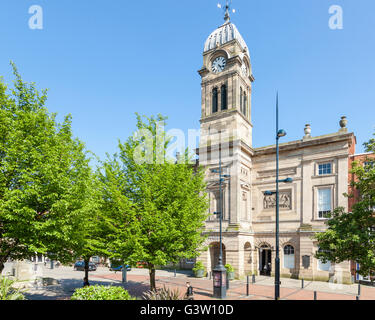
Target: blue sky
{"x":104,"y":60}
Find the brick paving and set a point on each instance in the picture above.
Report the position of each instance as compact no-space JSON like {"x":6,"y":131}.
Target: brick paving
{"x":137,"y":284}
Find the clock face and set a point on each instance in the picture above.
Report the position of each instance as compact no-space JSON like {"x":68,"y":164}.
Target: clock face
{"x":219,"y":64}
{"x":244,"y":69}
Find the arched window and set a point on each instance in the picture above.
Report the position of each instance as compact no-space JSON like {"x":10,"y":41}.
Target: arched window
{"x":241,"y":100}
{"x":289,"y":257}
{"x":323,"y":266}
{"x":214,"y":100}
{"x":244,"y":104}
{"x":224,"y":99}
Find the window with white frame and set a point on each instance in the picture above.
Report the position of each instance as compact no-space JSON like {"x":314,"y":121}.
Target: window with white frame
{"x":324,"y":202}
{"x":324,"y":266}
{"x":368,"y":165}
{"x":325,"y":168}
{"x":289,"y":257}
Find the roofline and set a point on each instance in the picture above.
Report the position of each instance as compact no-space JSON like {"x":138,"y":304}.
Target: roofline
{"x":362,"y":154}
{"x":234,"y":38}
{"x":303,"y":143}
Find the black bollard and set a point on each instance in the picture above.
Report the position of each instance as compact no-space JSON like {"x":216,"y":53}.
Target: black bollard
{"x":253,"y":278}
{"x":227,"y":279}
{"x":175,"y":273}
{"x":357,"y":297}
{"x":124,"y":280}
{"x":303,"y":284}
{"x":247,"y":285}
{"x":315,"y":296}
{"x":359,"y":289}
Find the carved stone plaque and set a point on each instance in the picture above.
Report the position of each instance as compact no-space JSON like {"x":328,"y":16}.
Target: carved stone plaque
{"x":285,"y":200}
{"x":306,"y":261}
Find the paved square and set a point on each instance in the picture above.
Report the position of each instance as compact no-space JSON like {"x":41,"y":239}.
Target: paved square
{"x":138,"y":283}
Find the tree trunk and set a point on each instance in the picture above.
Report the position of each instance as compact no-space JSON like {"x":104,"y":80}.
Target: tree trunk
{"x":3,"y":259}
{"x":151,"y":269}
{"x":1,"y":266}
{"x":86,"y":278}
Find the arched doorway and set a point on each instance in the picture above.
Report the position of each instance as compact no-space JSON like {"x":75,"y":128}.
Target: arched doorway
{"x":265,"y":260}
{"x":214,"y":254}
{"x":247,"y":258}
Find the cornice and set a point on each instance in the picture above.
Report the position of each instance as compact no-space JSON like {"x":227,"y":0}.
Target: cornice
{"x":224,"y":114}
{"x":299,"y":144}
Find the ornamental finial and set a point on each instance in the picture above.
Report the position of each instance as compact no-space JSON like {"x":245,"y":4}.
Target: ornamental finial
{"x":227,"y":8}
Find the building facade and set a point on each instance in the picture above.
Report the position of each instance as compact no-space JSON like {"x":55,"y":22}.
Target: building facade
{"x":318,"y":166}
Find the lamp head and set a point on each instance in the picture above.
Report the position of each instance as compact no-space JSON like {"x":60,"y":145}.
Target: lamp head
{"x":281,"y":133}
{"x":268,"y":193}
{"x":288,"y":180}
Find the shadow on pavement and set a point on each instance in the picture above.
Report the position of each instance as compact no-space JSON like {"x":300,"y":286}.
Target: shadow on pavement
{"x":67,"y":287}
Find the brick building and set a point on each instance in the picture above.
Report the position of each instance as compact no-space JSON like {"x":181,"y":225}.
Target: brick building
{"x":363,"y":159}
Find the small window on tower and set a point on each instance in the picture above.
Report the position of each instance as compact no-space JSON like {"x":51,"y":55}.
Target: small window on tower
{"x":214,"y":100}
{"x":244,"y":104}
{"x":241,"y":100}
{"x":224,"y":99}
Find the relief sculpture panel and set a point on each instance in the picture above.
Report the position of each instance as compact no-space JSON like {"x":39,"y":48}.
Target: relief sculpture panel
{"x":285,"y":201}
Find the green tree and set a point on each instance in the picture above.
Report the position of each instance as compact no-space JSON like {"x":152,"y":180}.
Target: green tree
{"x":93,"y":229}
{"x":157,"y":207}
{"x":44,"y":177}
{"x":351,"y":235}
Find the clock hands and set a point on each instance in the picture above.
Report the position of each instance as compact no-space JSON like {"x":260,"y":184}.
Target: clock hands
{"x":219,"y":64}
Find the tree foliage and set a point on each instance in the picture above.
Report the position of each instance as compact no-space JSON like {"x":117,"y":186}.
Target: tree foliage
{"x":351,"y":235}
{"x":7,"y":290}
{"x":101,"y":293}
{"x":156,"y":208}
{"x":44,"y":177}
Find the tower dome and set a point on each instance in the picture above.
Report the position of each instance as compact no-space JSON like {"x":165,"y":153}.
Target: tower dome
{"x":225,"y":33}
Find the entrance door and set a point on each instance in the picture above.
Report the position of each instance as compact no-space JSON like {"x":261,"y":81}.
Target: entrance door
{"x":265,"y":265}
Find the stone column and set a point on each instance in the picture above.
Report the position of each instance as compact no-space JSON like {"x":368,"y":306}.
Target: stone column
{"x":306,"y":249}
{"x":241,"y":262}
{"x":342,"y":181}
{"x":307,"y":193}
{"x":233,"y":258}
{"x":205,"y":259}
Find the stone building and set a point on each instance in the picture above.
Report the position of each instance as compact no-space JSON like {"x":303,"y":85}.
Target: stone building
{"x":318,"y":166}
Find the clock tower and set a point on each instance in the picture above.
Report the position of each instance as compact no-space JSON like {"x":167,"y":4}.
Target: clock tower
{"x":241,"y":213}
{"x":226,"y":134}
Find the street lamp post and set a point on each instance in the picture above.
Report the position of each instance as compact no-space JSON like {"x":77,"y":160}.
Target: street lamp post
{"x":279,"y":133}
{"x":219,"y":272}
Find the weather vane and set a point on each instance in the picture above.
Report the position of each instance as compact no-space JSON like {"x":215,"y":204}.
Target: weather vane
{"x":227,"y":8}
